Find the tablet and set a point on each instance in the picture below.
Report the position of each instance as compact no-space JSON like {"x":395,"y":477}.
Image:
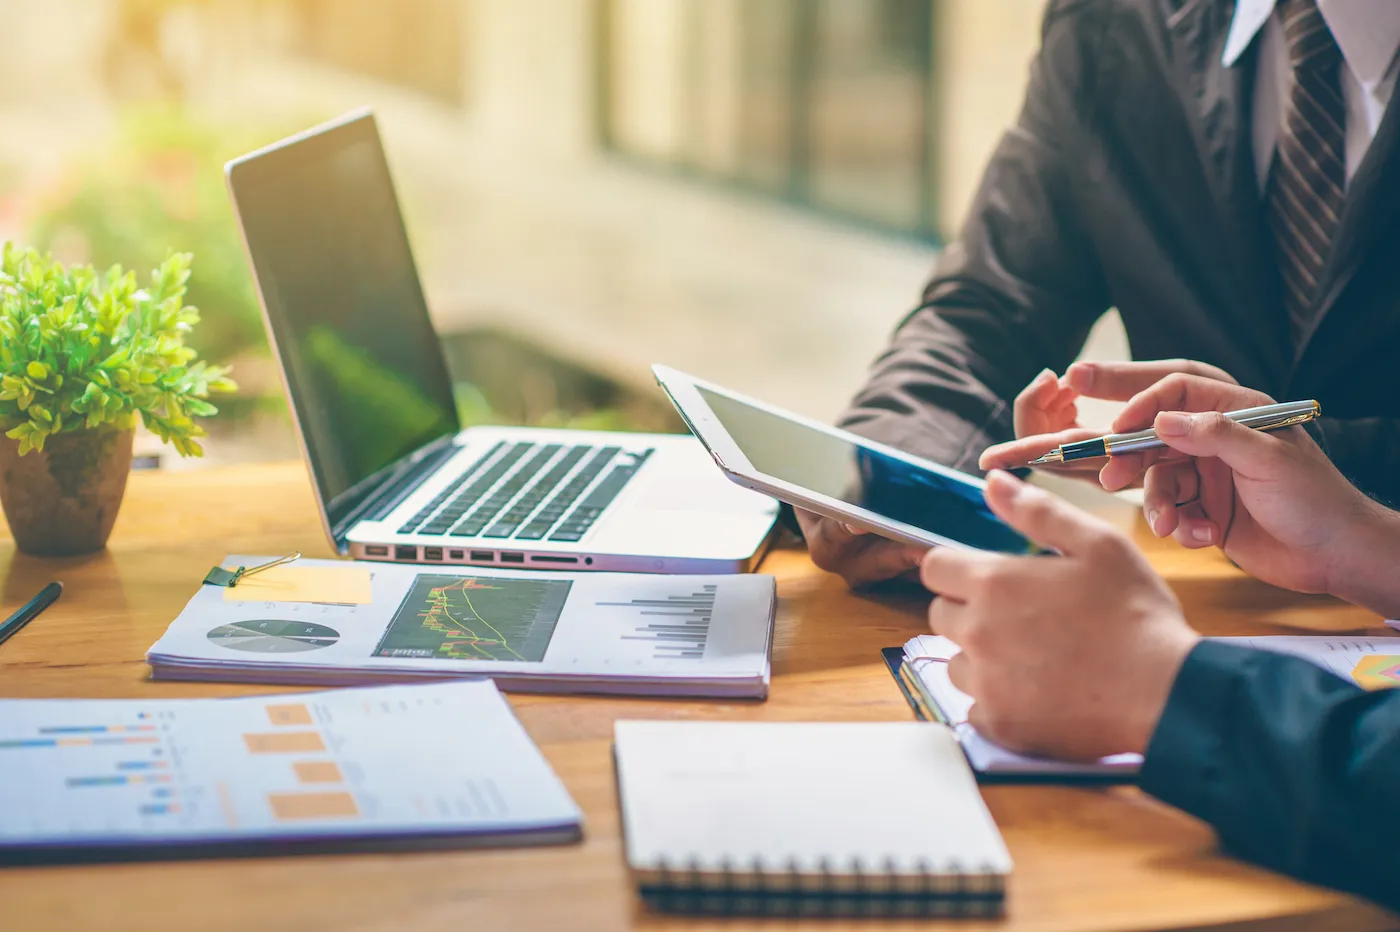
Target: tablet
{"x":838,"y":474}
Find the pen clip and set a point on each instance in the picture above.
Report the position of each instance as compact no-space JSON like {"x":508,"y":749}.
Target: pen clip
{"x":219,"y":576}
{"x":1302,"y":418}
{"x":244,"y":572}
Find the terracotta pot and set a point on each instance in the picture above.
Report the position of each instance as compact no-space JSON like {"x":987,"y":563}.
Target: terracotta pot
{"x":63,"y":501}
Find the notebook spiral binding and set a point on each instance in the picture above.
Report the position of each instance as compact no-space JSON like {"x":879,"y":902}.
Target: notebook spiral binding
{"x":785,"y":889}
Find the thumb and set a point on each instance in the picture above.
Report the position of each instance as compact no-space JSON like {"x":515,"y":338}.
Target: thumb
{"x":1046,"y":519}
{"x":1210,"y":433}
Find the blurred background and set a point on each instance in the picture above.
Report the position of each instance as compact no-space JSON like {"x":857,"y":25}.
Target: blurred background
{"x":752,"y":190}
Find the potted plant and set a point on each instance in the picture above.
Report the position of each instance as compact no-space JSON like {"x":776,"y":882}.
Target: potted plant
{"x":82,"y":355}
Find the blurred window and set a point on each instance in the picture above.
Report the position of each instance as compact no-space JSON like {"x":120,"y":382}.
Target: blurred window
{"x":824,"y":102}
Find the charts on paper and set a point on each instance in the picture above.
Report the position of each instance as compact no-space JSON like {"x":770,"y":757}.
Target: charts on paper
{"x":476,"y":618}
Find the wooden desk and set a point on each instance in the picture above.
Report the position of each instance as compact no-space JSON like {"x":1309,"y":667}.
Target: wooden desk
{"x":1085,"y":858}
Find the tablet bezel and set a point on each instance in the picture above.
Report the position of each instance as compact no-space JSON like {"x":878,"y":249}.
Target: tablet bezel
{"x":681,"y":388}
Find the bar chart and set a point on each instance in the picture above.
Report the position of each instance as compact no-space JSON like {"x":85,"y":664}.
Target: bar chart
{"x":678,"y":626}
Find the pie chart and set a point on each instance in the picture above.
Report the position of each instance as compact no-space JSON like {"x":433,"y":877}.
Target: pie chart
{"x":274,"y":636}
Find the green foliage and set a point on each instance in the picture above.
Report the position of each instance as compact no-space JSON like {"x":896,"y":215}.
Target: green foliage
{"x":83,"y":351}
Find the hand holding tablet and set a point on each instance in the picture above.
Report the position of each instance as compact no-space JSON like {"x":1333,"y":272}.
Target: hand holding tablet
{"x":837,"y":474}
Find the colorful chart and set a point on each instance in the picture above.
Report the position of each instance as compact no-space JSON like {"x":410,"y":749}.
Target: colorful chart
{"x":476,"y":618}
{"x":274,"y":636}
{"x":1377,"y":671}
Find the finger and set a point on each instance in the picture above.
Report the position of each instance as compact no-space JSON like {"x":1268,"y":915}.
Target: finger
{"x":1044,"y":518}
{"x":1065,"y":402}
{"x":978,"y":718}
{"x":1120,"y":381}
{"x":860,"y":558}
{"x":1194,"y":530}
{"x":945,"y":617}
{"x":1185,"y":393}
{"x":1021,"y":451}
{"x":949,"y":571}
{"x":1212,"y":434}
{"x":1166,"y":487}
{"x":1125,"y":469}
{"x":876,"y":560}
{"x":1206,"y":521}
{"x":1029,"y":411}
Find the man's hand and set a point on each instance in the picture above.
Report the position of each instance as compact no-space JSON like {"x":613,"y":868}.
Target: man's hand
{"x":861,"y":558}
{"x":1046,"y":414}
{"x":1069,"y":656}
{"x":1272,"y":501}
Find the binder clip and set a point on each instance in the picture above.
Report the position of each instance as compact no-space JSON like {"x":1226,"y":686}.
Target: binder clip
{"x":219,"y":576}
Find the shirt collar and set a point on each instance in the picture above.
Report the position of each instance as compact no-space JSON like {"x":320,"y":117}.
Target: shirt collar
{"x":1367,"y":32}
{"x":1250,"y":17}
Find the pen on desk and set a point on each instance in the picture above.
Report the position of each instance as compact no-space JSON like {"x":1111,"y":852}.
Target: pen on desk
{"x":46,"y":597}
{"x":1264,"y":417}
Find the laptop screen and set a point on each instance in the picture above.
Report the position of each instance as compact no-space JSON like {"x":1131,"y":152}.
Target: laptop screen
{"x":364,"y":367}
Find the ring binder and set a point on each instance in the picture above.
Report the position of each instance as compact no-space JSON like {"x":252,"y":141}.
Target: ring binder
{"x":852,"y":890}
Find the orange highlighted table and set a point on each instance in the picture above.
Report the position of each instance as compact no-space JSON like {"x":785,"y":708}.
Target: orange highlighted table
{"x":318,"y":771}
{"x":284,"y":742}
{"x":291,"y":714}
{"x":290,"y":806}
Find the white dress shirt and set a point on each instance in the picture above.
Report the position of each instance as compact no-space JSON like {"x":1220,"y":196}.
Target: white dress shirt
{"x":1367,"y":32}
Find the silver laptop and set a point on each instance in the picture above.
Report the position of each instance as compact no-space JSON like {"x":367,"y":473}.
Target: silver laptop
{"x":396,"y":476}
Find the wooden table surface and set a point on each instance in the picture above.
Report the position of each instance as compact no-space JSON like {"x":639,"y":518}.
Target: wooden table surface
{"x":1086,"y":858}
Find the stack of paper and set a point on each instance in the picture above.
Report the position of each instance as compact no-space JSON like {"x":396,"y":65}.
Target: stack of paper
{"x":133,"y":777}
{"x":531,"y":631}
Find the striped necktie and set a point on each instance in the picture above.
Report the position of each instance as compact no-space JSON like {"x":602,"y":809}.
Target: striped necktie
{"x":1308,"y":182}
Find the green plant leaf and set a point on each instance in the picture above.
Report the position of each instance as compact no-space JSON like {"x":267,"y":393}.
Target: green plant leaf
{"x":100,"y":351}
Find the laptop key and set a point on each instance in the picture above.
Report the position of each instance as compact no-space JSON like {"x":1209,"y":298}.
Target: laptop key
{"x":437,"y":500}
{"x":582,"y":517}
{"x":484,"y":513}
{"x":478,"y":488}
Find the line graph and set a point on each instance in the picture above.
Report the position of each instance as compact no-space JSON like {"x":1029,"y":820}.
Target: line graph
{"x":475,"y":618}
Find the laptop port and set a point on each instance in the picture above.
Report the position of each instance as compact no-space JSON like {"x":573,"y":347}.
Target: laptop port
{"x":483,"y":555}
{"x":512,"y":558}
{"x":455,"y":554}
{"x":375,"y":550}
{"x":432,"y":553}
{"x":554,"y":559}
{"x":405,"y":553}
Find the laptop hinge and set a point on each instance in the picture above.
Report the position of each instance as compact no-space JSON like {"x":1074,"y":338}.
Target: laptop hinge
{"x":394,"y":484}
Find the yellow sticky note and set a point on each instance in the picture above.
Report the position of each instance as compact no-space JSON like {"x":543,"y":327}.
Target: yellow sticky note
{"x":342,"y":585}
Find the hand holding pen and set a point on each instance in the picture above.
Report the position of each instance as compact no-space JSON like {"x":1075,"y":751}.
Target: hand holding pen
{"x":1260,"y":417}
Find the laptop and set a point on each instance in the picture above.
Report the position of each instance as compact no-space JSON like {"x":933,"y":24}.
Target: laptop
{"x":396,"y":476}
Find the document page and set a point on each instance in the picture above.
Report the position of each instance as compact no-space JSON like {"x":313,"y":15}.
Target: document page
{"x":401,"y":761}
{"x":431,"y":621}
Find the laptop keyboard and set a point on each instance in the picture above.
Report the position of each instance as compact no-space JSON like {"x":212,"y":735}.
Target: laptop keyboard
{"x":529,"y":491}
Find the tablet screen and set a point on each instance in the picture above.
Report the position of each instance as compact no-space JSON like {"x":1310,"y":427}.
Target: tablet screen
{"x":942,"y":502}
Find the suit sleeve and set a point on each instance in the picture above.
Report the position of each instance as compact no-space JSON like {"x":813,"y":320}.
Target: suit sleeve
{"x":1295,"y":768}
{"x":1019,"y":289}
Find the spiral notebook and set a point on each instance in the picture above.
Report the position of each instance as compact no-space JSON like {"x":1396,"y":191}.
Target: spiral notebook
{"x":760,"y":818}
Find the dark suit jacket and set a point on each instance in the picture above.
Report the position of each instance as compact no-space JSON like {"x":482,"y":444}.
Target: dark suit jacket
{"x":1128,"y":181}
{"x":1295,"y":768}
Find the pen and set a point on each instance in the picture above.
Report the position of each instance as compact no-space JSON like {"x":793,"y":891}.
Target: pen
{"x":1264,"y":417}
{"x":46,"y":597}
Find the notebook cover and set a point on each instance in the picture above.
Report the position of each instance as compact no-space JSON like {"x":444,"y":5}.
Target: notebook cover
{"x":894,"y":660}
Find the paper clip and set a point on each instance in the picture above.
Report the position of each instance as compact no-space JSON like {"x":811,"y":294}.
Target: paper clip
{"x":219,"y":576}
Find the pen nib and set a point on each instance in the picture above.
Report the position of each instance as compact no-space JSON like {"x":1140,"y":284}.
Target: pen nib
{"x":1051,"y":458}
